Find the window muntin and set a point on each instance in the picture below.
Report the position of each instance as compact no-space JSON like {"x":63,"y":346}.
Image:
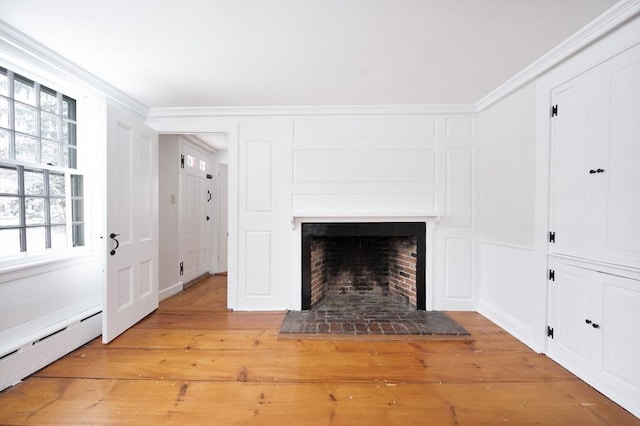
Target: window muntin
{"x":38,"y":158}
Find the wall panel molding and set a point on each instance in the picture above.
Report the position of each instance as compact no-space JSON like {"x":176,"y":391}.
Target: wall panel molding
{"x":459,"y":128}
{"x":259,"y":176}
{"x":459,"y":169}
{"x":364,"y":166}
{"x":364,"y":204}
{"x":458,"y":270}
{"x":380,"y":127}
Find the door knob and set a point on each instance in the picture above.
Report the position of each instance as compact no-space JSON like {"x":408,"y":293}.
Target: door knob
{"x":113,"y":237}
{"x":592,"y":171}
{"x":600,"y":171}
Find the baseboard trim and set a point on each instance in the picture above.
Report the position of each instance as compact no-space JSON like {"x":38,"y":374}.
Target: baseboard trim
{"x":171,"y":291}
{"x":31,"y":357}
{"x":196,"y":279}
{"x":511,"y":325}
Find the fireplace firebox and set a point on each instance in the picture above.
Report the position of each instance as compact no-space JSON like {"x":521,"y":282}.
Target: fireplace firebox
{"x":387,"y":258}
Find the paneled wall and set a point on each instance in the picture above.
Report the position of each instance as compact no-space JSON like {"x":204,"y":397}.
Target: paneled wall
{"x":358,"y":167}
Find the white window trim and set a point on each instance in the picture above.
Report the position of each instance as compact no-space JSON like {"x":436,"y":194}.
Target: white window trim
{"x":88,"y":129}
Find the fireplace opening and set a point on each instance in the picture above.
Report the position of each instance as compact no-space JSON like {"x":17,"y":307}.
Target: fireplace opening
{"x":385,"y":259}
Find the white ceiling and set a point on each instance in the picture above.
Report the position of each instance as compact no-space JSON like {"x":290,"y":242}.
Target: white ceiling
{"x":317,"y":52}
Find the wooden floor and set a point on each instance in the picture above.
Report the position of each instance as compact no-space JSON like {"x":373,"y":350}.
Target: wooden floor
{"x":193,"y":362}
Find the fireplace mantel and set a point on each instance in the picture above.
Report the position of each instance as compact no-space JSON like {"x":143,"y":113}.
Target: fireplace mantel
{"x":428,"y":217}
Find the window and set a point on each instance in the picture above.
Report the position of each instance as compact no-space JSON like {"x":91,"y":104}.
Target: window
{"x":38,"y":162}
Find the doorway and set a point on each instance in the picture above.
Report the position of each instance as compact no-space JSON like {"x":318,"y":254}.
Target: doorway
{"x":192,"y":208}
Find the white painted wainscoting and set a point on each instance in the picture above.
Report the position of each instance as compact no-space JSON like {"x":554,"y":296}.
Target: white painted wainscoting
{"x":392,"y":167}
{"x":511,"y":289}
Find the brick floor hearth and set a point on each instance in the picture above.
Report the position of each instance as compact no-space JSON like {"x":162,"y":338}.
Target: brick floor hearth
{"x":368,"y":314}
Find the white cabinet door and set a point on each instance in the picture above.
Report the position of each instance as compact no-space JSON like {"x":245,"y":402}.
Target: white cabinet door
{"x":595,"y":318}
{"x":621,"y":241}
{"x":620,"y":328}
{"x":575,"y":135}
{"x":570,"y":316}
{"x":595,"y":175}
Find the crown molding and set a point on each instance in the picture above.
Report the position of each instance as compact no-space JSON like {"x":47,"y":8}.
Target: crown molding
{"x":26,"y":45}
{"x":611,"y":19}
{"x":266,"y":111}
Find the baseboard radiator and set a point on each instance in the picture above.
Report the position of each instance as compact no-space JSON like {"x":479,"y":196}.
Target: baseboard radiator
{"x":18,"y":363}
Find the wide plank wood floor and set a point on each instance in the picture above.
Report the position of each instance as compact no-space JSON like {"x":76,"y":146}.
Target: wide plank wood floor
{"x":193,"y":362}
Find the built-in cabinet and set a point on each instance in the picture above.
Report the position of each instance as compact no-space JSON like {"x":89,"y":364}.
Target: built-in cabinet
{"x":595,"y":327}
{"x":595,"y":154}
{"x":594,"y":235}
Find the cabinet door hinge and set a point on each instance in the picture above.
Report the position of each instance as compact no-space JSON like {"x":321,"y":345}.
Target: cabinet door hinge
{"x":552,"y":237}
{"x":552,"y":275}
{"x":181,"y":268}
{"x":554,"y":110}
{"x":182,"y":161}
{"x":549,"y":332}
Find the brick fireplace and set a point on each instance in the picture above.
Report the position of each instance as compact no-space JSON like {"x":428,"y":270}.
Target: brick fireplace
{"x":385,"y":258}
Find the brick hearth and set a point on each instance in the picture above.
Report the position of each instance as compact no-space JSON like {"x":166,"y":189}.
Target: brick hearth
{"x":368,"y":314}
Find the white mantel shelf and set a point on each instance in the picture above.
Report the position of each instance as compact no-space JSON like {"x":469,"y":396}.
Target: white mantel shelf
{"x":432,"y":217}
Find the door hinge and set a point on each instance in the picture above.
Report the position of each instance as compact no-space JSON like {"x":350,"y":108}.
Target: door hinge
{"x":552,"y":237}
{"x":181,"y":268}
{"x":182,"y":161}
{"x":554,"y":110}
{"x":549,"y":332}
{"x":552,"y":275}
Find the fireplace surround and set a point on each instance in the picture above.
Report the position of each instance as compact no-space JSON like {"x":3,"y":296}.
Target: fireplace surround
{"x":383,"y":257}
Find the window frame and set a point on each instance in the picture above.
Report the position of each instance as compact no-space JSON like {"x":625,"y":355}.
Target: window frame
{"x":74,"y":170}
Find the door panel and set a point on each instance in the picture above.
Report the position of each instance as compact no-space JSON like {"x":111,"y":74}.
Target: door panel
{"x":570,"y":295}
{"x":622,"y":238}
{"x":621,"y":330}
{"x":131,"y":290}
{"x":262,"y":222}
{"x":574,"y":132}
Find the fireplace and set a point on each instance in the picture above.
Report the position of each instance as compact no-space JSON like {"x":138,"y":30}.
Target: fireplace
{"x":386,"y":258}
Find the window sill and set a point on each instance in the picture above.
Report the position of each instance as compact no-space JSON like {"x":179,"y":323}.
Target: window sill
{"x":15,"y":268}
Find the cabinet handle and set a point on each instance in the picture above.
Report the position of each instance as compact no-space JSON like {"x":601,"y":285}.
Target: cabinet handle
{"x":594,"y":325}
{"x":600,"y":171}
{"x":588,"y":321}
{"x":591,"y":171}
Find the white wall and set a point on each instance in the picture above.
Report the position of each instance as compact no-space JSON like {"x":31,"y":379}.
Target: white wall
{"x":168,"y":158}
{"x":506,"y":162}
{"x":383,"y":167}
{"x":511,"y":292}
{"x":57,"y":292}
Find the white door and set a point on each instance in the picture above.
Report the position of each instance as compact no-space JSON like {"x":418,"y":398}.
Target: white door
{"x":621,"y":243}
{"x":570,"y":296}
{"x":195,"y":215}
{"x":223,"y":240}
{"x":620,"y":363}
{"x":576,"y":131}
{"x":131,"y":290}
{"x":596,"y":199}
